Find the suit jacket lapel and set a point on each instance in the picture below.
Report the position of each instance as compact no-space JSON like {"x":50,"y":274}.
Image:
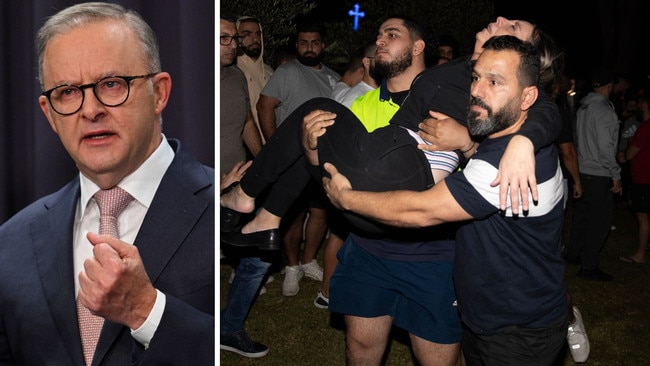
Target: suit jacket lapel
{"x":52,"y":236}
{"x":174,"y":211}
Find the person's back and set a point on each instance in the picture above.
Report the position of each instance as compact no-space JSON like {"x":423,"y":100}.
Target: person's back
{"x":358,"y":79}
{"x":596,"y":143}
{"x":596,"y":136}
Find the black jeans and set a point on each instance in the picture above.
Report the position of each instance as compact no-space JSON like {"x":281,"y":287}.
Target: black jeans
{"x":386,"y":159}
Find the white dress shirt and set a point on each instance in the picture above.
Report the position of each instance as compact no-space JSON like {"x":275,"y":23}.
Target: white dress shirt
{"x":141,"y":185}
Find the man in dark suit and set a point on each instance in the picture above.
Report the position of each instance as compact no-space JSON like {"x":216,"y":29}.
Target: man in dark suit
{"x":151,"y":286}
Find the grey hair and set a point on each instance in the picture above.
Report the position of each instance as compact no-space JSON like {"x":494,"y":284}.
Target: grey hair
{"x":86,"y":13}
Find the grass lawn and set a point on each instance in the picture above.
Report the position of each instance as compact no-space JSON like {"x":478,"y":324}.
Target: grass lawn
{"x":616,"y":315}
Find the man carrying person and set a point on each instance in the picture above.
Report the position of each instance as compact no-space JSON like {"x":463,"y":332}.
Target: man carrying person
{"x":508,"y":269}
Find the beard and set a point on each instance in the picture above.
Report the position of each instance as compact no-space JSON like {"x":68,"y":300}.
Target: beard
{"x":310,"y":59}
{"x":495,"y":122}
{"x":394,"y":68}
{"x":376,"y":76}
{"x":253,"y":50}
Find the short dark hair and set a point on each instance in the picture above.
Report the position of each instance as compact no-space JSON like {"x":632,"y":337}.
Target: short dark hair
{"x":418,"y":32}
{"x":228,"y":17}
{"x":311,"y":27}
{"x":528,"y":71}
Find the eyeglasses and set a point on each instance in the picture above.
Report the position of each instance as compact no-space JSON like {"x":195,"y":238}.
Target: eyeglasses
{"x":227,"y":40}
{"x":111,"y":91}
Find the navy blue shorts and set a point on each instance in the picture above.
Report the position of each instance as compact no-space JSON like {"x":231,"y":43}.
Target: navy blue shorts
{"x":419,"y":296}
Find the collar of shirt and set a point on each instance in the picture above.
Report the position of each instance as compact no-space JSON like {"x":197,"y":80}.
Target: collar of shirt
{"x":141,"y":184}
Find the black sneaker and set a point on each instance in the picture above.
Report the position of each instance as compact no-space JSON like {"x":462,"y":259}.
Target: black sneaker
{"x":594,"y":275}
{"x":240,"y":343}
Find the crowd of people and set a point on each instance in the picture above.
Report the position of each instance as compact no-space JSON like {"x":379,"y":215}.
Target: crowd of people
{"x":409,"y":123}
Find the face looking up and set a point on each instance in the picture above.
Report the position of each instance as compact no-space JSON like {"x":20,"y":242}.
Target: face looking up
{"x":503,"y":26}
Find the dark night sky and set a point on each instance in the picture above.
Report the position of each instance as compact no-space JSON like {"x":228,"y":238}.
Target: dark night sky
{"x":605,"y":32}
{"x":591,"y":32}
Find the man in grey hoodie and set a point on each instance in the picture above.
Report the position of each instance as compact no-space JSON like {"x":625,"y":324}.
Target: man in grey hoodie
{"x":596,"y":141}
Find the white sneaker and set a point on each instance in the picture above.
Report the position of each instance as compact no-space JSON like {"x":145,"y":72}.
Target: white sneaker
{"x":313,"y":270}
{"x":290,"y":286}
{"x":577,"y":338}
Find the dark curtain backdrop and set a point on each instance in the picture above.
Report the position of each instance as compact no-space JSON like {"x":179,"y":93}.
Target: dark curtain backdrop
{"x":33,"y":163}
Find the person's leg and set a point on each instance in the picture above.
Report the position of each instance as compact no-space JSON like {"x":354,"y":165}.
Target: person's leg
{"x":338,"y":231}
{"x":387,"y":159}
{"x":640,"y":205}
{"x":516,"y":346}
{"x":643,"y":220}
{"x":366,"y":339}
{"x":249,"y":275}
{"x":599,"y":218}
{"x":292,"y":229}
{"x":580,"y":224}
{"x":332,"y":245}
{"x":315,"y":230}
{"x":435,"y":354}
{"x":282,"y":151}
{"x":278,"y":201}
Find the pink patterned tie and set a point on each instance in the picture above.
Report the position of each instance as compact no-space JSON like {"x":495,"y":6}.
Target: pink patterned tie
{"x":111,"y":203}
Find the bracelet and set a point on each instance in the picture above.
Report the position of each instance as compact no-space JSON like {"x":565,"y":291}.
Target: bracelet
{"x":470,"y":148}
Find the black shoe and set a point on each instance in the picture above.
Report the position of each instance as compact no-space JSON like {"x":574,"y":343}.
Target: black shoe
{"x":229,"y":217}
{"x":265,"y":240}
{"x":594,"y":275}
{"x":240,"y":343}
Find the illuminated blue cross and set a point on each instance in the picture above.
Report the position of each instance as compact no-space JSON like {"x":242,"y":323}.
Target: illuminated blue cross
{"x":356,"y":14}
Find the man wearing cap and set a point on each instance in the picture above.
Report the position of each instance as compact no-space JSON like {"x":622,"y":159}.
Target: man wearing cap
{"x":596,"y":141}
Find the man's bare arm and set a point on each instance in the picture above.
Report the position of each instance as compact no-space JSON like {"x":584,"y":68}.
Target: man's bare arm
{"x":251,"y":135}
{"x":266,"y":113}
{"x":396,"y":208}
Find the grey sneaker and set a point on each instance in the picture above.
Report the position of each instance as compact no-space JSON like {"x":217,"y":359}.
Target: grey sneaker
{"x":240,"y":343}
{"x":313,"y":270}
{"x":291,"y":284}
{"x":577,"y":338}
{"x":321,"y":301}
